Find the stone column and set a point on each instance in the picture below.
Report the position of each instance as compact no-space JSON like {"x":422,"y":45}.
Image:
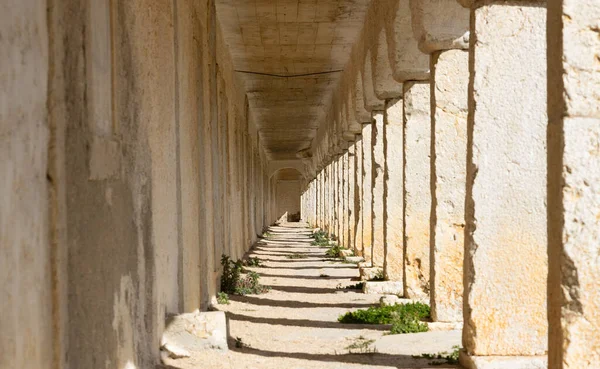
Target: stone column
{"x":358,"y":197}
{"x":505,"y":273}
{"x":338,"y":197}
{"x":350,"y":178}
{"x":417,"y":191}
{"x":367,"y":192}
{"x":573,"y":184}
{"x":449,"y":82}
{"x":394,"y":169}
{"x":379,"y":195}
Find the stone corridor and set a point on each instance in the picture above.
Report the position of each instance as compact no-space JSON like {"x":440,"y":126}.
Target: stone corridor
{"x":295,"y":324}
{"x":452,"y":147}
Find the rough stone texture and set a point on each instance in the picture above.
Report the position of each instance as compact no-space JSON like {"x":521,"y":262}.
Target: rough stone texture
{"x":354,"y":259}
{"x":367,"y":192}
{"x":502,"y":362}
{"x":394,"y":187}
{"x":351,"y":186}
{"x":389,"y":300}
{"x":574,"y":180}
{"x":440,"y":24}
{"x":383,"y":288}
{"x":370,"y":273}
{"x":506,"y":237}
{"x":345,"y":252}
{"x":417,"y":191}
{"x":450,"y":79}
{"x":358,"y":199}
{"x":195,"y":331}
{"x":379,"y":195}
{"x":25,"y":287}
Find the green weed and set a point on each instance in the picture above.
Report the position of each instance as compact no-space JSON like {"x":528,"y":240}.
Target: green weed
{"x":233,"y":283}
{"x":405,"y":318}
{"x":447,"y":357}
{"x":222,"y":298}
{"x":296,"y":255}
{"x":361,"y":345}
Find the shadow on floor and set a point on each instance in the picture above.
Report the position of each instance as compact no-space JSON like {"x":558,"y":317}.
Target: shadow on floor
{"x":306,"y":323}
{"x":372,"y":359}
{"x":295,"y":304}
{"x":303,"y":276}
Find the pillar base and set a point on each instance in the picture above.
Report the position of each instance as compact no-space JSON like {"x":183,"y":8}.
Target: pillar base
{"x":502,"y":362}
{"x":383,"y":288}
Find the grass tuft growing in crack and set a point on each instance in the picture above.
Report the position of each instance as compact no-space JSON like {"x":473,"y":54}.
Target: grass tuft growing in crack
{"x":222,"y":298}
{"x":361,"y":345}
{"x":321,"y":239}
{"x":296,"y":255}
{"x":253,"y":262}
{"x":405,"y":318}
{"x":445,"y":356}
{"x":232,"y":281}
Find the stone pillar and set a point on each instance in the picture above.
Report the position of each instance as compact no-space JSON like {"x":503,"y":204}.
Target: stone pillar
{"x":350,"y":178}
{"x":344,"y":200}
{"x":449,"y":82}
{"x":506,"y":236}
{"x":358,"y":197}
{"x":338,"y":198}
{"x":573,"y":184}
{"x":417,"y":191}
{"x":379,"y":195}
{"x":394,"y":169}
{"x":367,"y":192}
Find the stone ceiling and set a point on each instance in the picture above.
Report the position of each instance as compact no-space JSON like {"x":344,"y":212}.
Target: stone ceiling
{"x":289,"y":54}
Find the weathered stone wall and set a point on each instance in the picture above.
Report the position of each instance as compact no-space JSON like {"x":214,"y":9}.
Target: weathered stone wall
{"x":133,"y":149}
{"x":573,"y":184}
{"x":26,"y":289}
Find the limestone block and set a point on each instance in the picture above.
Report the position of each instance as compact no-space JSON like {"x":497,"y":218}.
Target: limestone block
{"x":506,"y":237}
{"x":379,"y":194}
{"x":394,"y":187}
{"x":389,"y":300}
{"x":364,"y":264}
{"x":193,"y":332}
{"x":503,"y":362}
{"x":574,"y":180}
{"x":383,"y":288}
{"x":358,"y":198}
{"x":345,"y":252}
{"x":407,"y":61}
{"x":354,"y":259}
{"x":367,"y":193}
{"x":351,"y":185}
{"x":444,"y":326}
{"x":417,"y":188}
{"x":28,"y":285}
{"x":440,"y":24}
{"x":370,"y":273}
{"x":450,"y":79}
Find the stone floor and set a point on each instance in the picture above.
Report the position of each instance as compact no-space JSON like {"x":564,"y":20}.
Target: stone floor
{"x":295,"y":324}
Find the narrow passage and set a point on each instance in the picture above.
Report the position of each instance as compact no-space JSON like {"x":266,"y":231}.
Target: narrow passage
{"x":294,"y":325}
